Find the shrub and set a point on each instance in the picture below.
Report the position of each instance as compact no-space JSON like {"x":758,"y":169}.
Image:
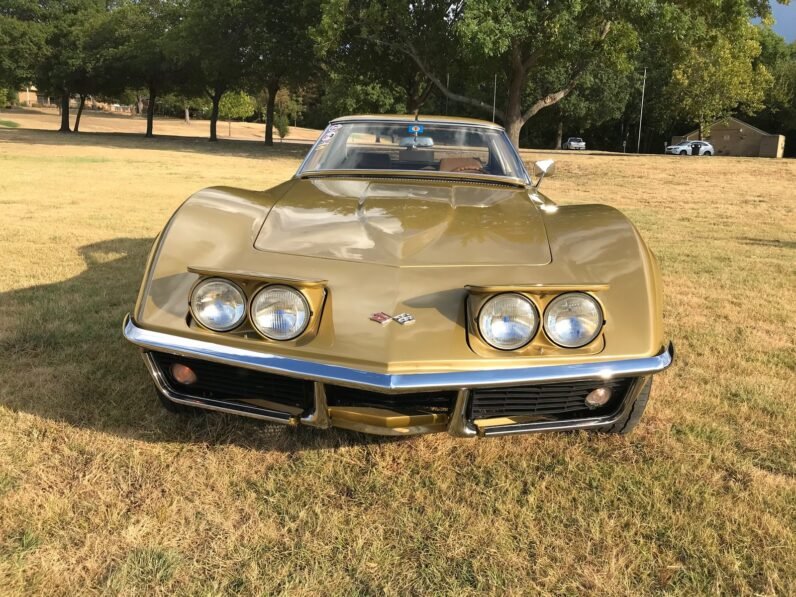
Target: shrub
{"x":282,"y":125}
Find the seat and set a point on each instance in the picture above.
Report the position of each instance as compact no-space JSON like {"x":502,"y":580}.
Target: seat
{"x":419,"y":156}
{"x":370,"y":160}
{"x":460,"y":165}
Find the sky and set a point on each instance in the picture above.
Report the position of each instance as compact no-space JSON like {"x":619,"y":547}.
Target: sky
{"x":786,"y":20}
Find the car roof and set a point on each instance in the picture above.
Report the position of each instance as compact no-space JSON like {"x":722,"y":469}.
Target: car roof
{"x":422,"y":118}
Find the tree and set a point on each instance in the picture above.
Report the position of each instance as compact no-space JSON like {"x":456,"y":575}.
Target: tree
{"x":358,"y":55}
{"x":64,"y":66}
{"x":282,"y":124}
{"x":541,"y":51}
{"x":21,"y":41}
{"x":282,"y":49}
{"x":137,"y":40}
{"x":235,"y":104}
{"x":213,"y":38}
{"x":716,"y":80}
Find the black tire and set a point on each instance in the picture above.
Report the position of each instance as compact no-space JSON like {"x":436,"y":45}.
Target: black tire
{"x":707,"y":153}
{"x":629,"y":423}
{"x":683,"y":152}
{"x":173,"y":407}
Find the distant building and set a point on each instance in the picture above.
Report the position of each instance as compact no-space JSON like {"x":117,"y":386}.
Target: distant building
{"x":730,"y":136}
{"x":30,"y":96}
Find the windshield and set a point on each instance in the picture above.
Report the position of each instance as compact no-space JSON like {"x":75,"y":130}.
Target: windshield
{"x":415,"y":146}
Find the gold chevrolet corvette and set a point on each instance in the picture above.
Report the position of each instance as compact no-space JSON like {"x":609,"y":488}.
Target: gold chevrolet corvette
{"x":410,"y":278}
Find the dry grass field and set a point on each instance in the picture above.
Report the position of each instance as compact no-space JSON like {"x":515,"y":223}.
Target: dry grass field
{"x":92,"y":121}
{"x":102,"y":492}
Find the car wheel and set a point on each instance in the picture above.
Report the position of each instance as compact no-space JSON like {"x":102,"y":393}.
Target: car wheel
{"x":628,"y":423}
{"x":683,"y":152}
{"x":707,"y":153}
{"x":173,"y":407}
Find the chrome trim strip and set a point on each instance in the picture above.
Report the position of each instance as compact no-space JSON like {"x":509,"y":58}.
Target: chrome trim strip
{"x":403,"y":121}
{"x":247,"y":410}
{"x":319,"y":417}
{"x":459,"y":425}
{"x":386,"y":382}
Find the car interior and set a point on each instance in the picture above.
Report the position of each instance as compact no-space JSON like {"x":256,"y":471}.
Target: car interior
{"x":417,"y":159}
{"x":436,"y":149}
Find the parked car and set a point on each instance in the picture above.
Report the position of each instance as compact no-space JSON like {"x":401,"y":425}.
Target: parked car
{"x":574,"y":143}
{"x":398,"y":291}
{"x":691,"y":148}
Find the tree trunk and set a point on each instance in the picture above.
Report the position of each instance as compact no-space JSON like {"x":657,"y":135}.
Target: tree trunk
{"x":216,"y":97}
{"x":513,"y":129}
{"x":514,"y":120}
{"x":150,"y":113}
{"x":64,"y":112}
{"x":79,"y":112}
{"x":416,"y":97}
{"x":187,"y":115}
{"x":273,"y":88}
{"x":513,"y":113}
{"x":559,"y":134}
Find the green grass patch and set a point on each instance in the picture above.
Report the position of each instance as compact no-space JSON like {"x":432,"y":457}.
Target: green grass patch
{"x":9,"y":124}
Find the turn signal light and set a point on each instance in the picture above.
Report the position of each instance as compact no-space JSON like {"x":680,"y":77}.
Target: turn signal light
{"x":598,"y":397}
{"x":183,"y":374}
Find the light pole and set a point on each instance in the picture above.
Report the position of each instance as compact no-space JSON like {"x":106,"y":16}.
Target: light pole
{"x":447,"y":86}
{"x":641,"y":113}
{"x":494,"y":98}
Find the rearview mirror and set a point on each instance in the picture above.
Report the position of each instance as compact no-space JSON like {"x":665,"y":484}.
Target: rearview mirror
{"x":543,"y":168}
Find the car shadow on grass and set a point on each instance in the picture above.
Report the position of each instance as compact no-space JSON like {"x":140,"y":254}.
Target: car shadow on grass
{"x":65,"y":359}
{"x":223,"y":147}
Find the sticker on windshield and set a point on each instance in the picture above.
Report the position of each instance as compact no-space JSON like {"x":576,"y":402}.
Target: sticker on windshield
{"x":330,"y":133}
{"x":416,"y":129}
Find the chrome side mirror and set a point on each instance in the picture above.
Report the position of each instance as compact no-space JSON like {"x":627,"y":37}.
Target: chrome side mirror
{"x":543,"y":168}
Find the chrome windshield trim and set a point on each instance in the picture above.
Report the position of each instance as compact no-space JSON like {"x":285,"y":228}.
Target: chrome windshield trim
{"x":387,"y":382}
{"x":452,"y":122}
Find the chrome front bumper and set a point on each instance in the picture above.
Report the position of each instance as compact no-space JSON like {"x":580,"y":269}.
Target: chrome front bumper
{"x":320,"y":373}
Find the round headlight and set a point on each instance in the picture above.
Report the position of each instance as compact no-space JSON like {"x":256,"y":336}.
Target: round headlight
{"x":280,"y":312}
{"x":573,"y":320}
{"x":508,"y":321}
{"x":218,"y":304}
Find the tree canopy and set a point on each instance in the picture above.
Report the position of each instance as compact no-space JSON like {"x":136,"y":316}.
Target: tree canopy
{"x":568,"y":65}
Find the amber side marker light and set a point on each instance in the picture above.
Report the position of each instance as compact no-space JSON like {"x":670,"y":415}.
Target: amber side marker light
{"x":598,"y":397}
{"x":183,"y":374}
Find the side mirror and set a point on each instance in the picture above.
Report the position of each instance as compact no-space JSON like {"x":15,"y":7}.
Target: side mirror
{"x":543,"y":168}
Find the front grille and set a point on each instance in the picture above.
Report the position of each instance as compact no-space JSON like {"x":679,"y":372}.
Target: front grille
{"x":419,"y":401}
{"x":549,"y":400}
{"x":225,"y":382}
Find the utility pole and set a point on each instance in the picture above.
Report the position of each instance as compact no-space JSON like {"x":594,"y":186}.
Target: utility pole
{"x":494,"y":99}
{"x":641,"y":113}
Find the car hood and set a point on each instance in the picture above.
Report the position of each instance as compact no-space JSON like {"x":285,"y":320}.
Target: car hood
{"x":406,"y":223}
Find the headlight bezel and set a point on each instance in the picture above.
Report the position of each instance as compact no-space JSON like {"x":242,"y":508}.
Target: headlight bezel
{"x":217,"y":279}
{"x":564,"y":295}
{"x":525,"y":299}
{"x":305,"y":301}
